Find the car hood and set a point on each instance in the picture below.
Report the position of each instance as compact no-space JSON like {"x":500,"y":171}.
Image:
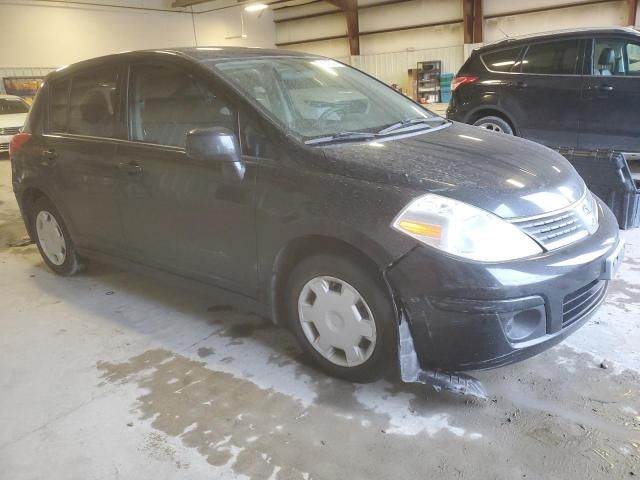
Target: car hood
{"x":506,"y":175}
{"x":12,"y":120}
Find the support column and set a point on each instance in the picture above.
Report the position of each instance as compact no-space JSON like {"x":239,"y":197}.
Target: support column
{"x":350,"y":8}
{"x":631,"y":12}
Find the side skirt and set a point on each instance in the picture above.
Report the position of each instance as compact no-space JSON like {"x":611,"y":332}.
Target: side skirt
{"x":218,"y":296}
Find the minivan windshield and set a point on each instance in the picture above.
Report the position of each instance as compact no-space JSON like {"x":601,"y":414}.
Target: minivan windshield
{"x":10,"y":106}
{"x":320,"y":99}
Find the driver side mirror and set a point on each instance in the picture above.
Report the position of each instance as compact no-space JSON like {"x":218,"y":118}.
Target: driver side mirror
{"x":216,"y":144}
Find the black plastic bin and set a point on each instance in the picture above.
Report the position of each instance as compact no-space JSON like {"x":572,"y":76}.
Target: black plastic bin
{"x":607,"y":174}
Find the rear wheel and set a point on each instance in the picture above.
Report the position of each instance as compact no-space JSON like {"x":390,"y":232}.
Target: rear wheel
{"x":53,"y":239}
{"x":343,"y":317}
{"x":495,"y":124}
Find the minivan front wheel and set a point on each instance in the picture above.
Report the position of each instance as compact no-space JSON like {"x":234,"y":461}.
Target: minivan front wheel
{"x":342,"y":316}
{"x":53,"y":239}
{"x":495,"y":124}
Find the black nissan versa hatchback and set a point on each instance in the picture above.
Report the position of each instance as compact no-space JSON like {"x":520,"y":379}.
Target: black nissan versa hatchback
{"x":310,"y":192}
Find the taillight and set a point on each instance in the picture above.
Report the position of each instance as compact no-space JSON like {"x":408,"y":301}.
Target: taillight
{"x":17,"y":141}
{"x":462,"y":80}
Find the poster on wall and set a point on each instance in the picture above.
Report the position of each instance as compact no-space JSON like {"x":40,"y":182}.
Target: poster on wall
{"x":25,"y":87}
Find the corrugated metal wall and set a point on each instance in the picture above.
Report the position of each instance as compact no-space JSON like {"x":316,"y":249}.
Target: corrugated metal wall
{"x":394,"y":67}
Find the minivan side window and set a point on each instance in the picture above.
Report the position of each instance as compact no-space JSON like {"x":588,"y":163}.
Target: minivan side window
{"x":93,"y":103}
{"x":59,"y":105}
{"x":552,"y":58}
{"x":502,"y":60}
{"x":166,"y":103}
{"x":618,"y":57}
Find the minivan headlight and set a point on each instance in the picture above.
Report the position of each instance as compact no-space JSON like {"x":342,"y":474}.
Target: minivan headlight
{"x":463,"y":230}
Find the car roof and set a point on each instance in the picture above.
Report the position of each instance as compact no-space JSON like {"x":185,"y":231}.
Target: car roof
{"x":198,"y":54}
{"x":519,"y":39}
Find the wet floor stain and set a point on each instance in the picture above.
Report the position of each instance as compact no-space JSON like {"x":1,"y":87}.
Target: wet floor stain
{"x":348,"y":430}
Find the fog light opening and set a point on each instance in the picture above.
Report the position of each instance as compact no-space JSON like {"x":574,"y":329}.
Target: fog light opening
{"x":523,"y":324}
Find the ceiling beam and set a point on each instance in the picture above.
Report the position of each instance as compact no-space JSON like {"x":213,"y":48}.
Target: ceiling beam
{"x":350,"y":8}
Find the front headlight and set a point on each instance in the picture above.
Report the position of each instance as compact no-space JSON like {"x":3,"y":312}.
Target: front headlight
{"x":463,"y":230}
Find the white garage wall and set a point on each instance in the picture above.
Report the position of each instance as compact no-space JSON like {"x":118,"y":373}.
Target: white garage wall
{"x":214,"y":28}
{"x":35,"y":33}
{"x":597,"y":15}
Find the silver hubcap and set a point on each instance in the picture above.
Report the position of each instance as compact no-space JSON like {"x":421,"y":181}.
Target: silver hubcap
{"x":337,"y":321}
{"x":494,"y":127}
{"x":50,"y":237}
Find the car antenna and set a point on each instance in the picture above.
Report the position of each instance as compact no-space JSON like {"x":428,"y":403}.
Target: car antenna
{"x":502,"y":31}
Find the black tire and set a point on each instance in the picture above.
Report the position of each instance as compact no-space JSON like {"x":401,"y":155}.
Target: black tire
{"x":369,"y":284}
{"x":72,"y":263}
{"x":495,"y":124}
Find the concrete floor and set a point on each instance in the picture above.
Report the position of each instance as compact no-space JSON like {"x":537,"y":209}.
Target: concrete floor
{"x":111,"y":375}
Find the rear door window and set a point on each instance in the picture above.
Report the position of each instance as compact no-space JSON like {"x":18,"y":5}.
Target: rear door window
{"x":502,"y":60}
{"x":552,"y":58}
{"x":93,"y":103}
{"x":166,"y":103}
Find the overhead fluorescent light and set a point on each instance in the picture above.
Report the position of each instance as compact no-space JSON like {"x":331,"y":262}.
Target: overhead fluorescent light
{"x":256,"y":7}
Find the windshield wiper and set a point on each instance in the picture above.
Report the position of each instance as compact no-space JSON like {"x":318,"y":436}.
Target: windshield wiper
{"x":346,"y":135}
{"x":409,"y":122}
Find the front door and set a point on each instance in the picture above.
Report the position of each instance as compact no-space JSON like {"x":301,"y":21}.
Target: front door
{"x":610,"y":103}
{"x":186,"y":215}
{"x":548,"y":90}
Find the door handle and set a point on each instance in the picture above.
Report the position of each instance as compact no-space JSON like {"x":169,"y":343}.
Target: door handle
{"x":605,"y":88}
{"x":50,"y":156}
{"x":132,"y":168}
{"x":520,"y":84}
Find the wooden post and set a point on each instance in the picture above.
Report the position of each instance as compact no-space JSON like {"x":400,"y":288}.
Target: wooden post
{"x":478,"y":21}
{"x":633,"y":8}
{"x":350,"y":8}
{"x":467,"y":20}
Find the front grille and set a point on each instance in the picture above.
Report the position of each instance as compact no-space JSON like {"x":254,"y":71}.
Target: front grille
{"x":9,"y":130}
{"x":4,"y":147}
{"x":582,"y":302}
{"x":560,"y":228}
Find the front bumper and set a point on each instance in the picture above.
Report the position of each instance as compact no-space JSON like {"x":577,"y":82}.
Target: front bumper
{"x":468,"y":315}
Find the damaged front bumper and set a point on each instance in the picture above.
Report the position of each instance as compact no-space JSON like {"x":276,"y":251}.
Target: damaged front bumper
{"x":461,"y":315}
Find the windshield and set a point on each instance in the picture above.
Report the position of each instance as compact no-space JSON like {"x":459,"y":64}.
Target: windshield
{"x":316,"y":98}
{"x":13,"y":105}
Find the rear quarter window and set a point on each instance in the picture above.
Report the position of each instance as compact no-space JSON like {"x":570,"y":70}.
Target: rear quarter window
{"x":59,"y":105}
{"x":502,"y":60}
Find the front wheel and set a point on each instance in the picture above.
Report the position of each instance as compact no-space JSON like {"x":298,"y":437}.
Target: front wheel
{"x":495,"y":124}
{"x":342,"y":317}
{"x":53,"y":239}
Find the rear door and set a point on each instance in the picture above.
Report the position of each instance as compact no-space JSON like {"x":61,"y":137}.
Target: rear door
{"x":548,"y":88}
{"x":186,"y":215}
{"x":78,"y":154}
{"x":610,"y":100}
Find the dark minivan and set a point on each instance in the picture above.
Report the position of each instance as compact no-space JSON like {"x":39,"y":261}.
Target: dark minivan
{"x":307,"y":191}
{"x":576,"y":91}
